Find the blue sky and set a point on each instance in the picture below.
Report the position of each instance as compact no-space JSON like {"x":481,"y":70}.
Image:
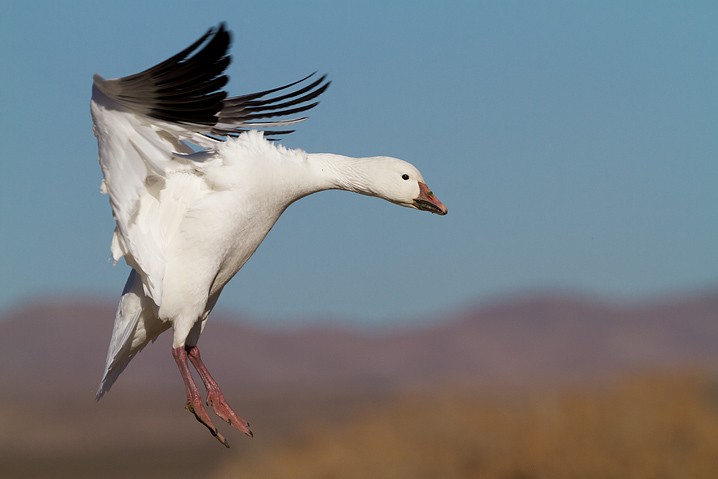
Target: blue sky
{"x":574,"y":143}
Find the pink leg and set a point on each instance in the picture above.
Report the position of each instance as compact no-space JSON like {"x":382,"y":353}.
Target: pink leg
{"x":194,"y":400}
{"x":215,"y":398}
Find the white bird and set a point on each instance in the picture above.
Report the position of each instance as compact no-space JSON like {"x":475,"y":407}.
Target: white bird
{"x":195,"y":187}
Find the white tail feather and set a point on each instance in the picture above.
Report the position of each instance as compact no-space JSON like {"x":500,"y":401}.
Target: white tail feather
{"x":136,"y":324}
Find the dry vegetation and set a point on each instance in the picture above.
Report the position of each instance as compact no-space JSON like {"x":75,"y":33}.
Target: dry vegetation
{"x":658,"y":427}
{"x":651,"y":428}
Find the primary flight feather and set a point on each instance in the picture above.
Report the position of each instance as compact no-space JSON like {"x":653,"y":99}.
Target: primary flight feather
{"x":195,"y":184}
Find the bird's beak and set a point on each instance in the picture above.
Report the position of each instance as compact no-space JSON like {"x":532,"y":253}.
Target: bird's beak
{"x":426,"y":201}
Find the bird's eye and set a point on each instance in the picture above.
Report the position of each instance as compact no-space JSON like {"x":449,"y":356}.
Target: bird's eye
{"x":404,"y":176}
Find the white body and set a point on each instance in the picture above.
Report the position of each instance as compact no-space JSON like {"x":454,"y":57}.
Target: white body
{"x":187,"y":222}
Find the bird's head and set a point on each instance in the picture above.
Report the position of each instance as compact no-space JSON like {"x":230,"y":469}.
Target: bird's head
{"x":402,"y":183}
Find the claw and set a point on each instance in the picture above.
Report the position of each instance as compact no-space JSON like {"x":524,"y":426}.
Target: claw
{"x":225,"y":411}
{"x":200,"y":413}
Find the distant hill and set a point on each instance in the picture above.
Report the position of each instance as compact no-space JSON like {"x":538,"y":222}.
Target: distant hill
{"x":61,"y":346}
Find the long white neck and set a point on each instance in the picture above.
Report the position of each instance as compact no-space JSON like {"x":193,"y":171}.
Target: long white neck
{"x":340,"y":172}
{"x":292,"y":174}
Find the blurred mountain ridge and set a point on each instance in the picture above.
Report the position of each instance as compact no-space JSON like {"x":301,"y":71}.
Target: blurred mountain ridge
{"x":60,"y":345}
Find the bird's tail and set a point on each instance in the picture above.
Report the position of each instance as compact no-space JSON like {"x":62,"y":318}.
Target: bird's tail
{"x":136,"y":324}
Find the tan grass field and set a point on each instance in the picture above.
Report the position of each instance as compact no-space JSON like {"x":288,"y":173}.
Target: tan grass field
{"x":656,"y":427}
{"x":660,"y":426}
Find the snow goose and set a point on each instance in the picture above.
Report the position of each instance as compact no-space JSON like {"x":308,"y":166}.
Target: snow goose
{"x":195,"y":185}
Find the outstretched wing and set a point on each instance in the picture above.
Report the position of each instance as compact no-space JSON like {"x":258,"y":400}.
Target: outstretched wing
{"x":187,"y":90}
{"x":141,"y":121}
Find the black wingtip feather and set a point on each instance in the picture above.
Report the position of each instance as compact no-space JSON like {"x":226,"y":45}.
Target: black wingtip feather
{"x":243,"y":110}
{"x":187,"y":88}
